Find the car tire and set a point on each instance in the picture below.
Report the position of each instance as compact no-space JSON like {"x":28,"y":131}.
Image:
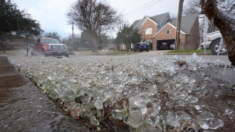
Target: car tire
{"x":147,"y":50}
{"x":66,"y":55}
{"x":214,"y":47}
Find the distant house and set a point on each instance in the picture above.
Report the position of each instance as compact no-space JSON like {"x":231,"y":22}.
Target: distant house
{"x":160,"y":31}
{"x":112,"y":46}
{"x":16,"y":42}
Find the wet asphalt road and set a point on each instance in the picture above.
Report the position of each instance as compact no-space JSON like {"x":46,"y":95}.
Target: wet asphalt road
{"x":24,"y":108}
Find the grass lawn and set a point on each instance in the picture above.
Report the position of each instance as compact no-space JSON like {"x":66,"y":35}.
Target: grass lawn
{"x":188,"y":51}
{"x":13,"y":52}
{"x":100,"y":52}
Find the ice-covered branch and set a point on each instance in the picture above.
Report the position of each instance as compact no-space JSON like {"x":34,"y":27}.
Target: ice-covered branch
{"x":224,"y":22}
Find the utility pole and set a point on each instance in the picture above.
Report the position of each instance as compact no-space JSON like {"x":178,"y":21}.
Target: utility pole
{"x":72,"y":37}
{"x":177,"y":39}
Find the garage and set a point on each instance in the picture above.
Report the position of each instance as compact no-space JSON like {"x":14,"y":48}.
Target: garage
{"x":166,"y":44}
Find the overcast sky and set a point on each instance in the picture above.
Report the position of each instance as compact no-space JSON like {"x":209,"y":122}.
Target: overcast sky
{"x":51,"y":14}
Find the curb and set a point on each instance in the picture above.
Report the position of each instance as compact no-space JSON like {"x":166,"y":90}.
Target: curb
{"x":187,"y":54}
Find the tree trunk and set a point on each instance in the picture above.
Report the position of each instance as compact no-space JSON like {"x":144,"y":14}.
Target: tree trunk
{"x":27,"y":44}
{"x":94,"y":41}
{"x":2,"y":44}
{"x":94,"y":44}
{"x":128,"y":47}
{"x":225,"y":24}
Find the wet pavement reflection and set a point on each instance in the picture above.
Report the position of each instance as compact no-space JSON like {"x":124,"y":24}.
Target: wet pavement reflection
{"x":23,"y":107}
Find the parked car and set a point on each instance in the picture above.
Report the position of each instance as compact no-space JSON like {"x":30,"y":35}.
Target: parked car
{"x":141,"y":46}
{"x":213,"y":43}
{"x":49,"y":46}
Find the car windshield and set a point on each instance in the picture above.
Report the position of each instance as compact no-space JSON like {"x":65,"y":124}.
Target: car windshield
{"x":49,"y":41}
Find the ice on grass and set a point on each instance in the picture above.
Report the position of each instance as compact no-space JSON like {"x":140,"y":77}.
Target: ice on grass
{"x":140,"y":91}
{"x":135,"y":117}
{"x":99,"y":104}
{"x":212,"y":123}
{"x":191,"y":99}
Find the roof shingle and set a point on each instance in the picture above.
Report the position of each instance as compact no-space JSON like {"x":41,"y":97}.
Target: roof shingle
{"x":159,"y":18}
{"x":186,"y":22}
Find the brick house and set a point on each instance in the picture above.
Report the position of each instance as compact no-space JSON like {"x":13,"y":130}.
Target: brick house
{"x":160,"y":31}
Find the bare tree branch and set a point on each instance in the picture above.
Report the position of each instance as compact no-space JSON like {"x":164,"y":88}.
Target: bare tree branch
{"x":95,"y":17}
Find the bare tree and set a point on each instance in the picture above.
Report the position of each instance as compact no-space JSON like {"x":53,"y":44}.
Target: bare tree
{"x":94,"y":17}
{"x":226,"y":6}
{"x":53,"y":35}
{"x":193,"y":6}
{"x":225,"y":23}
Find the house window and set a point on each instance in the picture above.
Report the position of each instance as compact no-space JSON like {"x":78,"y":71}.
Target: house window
{"x":168,"y":32}
{"x":148,"y":31}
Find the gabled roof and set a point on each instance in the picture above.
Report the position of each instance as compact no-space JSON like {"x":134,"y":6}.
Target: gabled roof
{"x":157,"y":19}
{"x":168,"y":23}
{"x":186,"y":22}
{"x":135,"y":23}
{"x":143,"y":20}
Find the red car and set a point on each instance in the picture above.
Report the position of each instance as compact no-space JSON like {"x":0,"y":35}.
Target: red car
{"x":49,"y":46}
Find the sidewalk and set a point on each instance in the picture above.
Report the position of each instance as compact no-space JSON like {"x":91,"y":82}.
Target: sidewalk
{"x":23,"y":107}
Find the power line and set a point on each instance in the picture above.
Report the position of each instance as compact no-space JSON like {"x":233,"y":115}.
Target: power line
{"x":140,"y":7}
{"x":143,"y":8}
